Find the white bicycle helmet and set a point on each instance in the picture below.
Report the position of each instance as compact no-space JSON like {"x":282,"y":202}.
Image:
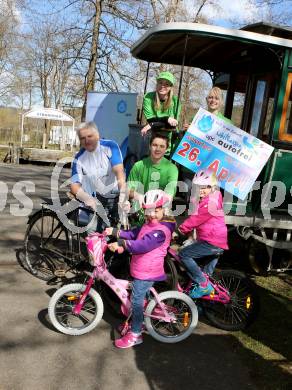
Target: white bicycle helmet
{"x":205,"y":178}
{"x":155,"y":198}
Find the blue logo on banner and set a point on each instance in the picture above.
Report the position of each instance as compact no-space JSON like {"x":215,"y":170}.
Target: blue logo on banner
{"x":250,"y":145}
{"x":122,"y":106}
{"x":205,"y":123}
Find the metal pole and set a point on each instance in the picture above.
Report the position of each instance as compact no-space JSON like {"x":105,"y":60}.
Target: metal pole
{"x":181,"y":76}
{"x":145,"y":88}
{"x":21,"y":133}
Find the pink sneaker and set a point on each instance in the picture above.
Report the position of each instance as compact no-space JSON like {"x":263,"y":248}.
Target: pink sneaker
{"x":129,"y":340}
{"x":124,"y":327}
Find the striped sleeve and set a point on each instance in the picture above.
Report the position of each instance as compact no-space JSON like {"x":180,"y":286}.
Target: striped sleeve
{"x":76,"y":174}
{"x":115,"y":155}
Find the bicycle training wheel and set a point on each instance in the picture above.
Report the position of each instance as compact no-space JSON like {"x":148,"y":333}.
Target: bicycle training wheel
{"x":61,"y":310}
{"x":243,"y":307}
{"x":181,"y":308}
{"x":46,"y":243}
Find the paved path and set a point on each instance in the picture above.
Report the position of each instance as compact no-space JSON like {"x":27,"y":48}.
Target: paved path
{"x":33,"y":356}
{"x":28,"y":186}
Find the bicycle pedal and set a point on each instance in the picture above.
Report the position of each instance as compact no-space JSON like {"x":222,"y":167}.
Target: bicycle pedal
{"x":60,"y":273}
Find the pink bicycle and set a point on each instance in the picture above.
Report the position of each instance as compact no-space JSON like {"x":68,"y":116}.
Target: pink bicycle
{"x":76,"y":309}
{"x":234,"y":303}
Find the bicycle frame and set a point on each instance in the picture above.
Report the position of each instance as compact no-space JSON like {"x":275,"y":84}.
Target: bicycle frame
{"x":119,"y":286}
{"x":220,"y":294}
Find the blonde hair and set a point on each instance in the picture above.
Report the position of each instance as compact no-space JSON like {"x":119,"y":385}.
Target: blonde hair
{"x":166,"y":104}
{"x":217,"y":92}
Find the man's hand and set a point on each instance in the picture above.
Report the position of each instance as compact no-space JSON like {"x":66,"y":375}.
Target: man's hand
{"x":91,"y":202}
{"x":108,"y":231}
{"x":123,"y":203}
{"x":125,"y":206}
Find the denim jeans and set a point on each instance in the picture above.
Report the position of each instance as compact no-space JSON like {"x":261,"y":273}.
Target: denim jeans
{"x":189,"y":254}
{"x":139,"y":292}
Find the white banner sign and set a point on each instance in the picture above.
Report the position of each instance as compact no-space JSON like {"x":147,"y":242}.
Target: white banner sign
{"x":49,"y":113}
{"x":235,"y":156}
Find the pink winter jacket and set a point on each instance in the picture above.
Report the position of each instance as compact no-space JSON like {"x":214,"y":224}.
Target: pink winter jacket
{"x":208,"y":220}
{"x":149,"y":266}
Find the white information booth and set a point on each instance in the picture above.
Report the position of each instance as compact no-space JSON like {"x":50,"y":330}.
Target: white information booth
{"x":51,"y":114}
{"x":112,"y":112}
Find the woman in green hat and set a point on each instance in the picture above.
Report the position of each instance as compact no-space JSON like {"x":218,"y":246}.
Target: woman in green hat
{"x":161,"y":108}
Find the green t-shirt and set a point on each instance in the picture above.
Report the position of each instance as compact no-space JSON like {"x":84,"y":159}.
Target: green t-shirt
{"x":150,"y":112}
{"x":145,"y":176}
{"x":221,"y":116}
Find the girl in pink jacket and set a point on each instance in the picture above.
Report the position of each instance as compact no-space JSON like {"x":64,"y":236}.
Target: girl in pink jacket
{"x":148,"y":245}
{"x":211,"y":233}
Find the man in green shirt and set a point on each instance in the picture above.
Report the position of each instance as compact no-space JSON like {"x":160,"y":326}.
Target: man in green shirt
{"x":153,"y":172}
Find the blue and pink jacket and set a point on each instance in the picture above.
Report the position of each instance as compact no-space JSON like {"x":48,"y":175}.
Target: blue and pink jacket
{"x":148,"y":246}
{"x":208,"y":220}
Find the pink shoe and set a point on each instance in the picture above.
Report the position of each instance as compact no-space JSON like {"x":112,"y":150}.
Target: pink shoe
{"x":129,"y":340}
{"x":125,"y":327}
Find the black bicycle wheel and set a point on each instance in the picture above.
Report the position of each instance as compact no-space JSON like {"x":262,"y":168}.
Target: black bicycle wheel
{"x":46,"y":243}
{"x":171,"y":277}
{"x":258,"y":257}
{"x":244,"y":304}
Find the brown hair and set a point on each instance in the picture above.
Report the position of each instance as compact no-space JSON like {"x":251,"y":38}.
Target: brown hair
{"x":159,"y":135}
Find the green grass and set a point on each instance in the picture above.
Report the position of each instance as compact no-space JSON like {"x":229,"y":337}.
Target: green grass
{"x":265,"y":347}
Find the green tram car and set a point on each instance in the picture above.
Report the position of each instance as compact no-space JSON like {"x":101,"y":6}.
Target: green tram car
{"x":254,"y":66}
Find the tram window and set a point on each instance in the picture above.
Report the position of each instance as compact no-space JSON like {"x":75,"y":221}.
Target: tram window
{"x":257,"y":107}
{"x":288,"y":127}
{"x":268,"y":119}
{"x":285,"y":131}
{"x":237,"y":110}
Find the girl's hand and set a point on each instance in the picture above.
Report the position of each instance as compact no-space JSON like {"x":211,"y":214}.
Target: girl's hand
{"x":172,"y":121}
{"x":145,"y":129}
{"x":179,"y":232}
{"x":114,"y":247}
{"x":185,"y":126}
{"x":174,"y":236}
{"x":108,"y":231}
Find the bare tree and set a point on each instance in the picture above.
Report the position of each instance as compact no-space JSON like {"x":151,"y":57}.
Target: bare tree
{"x":9,"y":20}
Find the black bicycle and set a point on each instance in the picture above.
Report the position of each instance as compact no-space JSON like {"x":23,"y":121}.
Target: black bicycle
{"x":54,"y":252}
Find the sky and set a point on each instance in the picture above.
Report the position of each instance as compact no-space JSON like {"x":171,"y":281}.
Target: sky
{"x":226,"y":13}
{"x":243,"y":11}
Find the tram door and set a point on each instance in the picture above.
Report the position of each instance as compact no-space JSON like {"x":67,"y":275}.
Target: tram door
{"x":252,"y":109}
{"x":279,"y":177}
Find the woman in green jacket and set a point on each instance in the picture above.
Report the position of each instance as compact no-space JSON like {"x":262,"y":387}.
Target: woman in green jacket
{"x":161,"y":108}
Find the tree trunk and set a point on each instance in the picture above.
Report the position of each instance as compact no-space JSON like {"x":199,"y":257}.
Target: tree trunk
{"x":90,"y":79}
